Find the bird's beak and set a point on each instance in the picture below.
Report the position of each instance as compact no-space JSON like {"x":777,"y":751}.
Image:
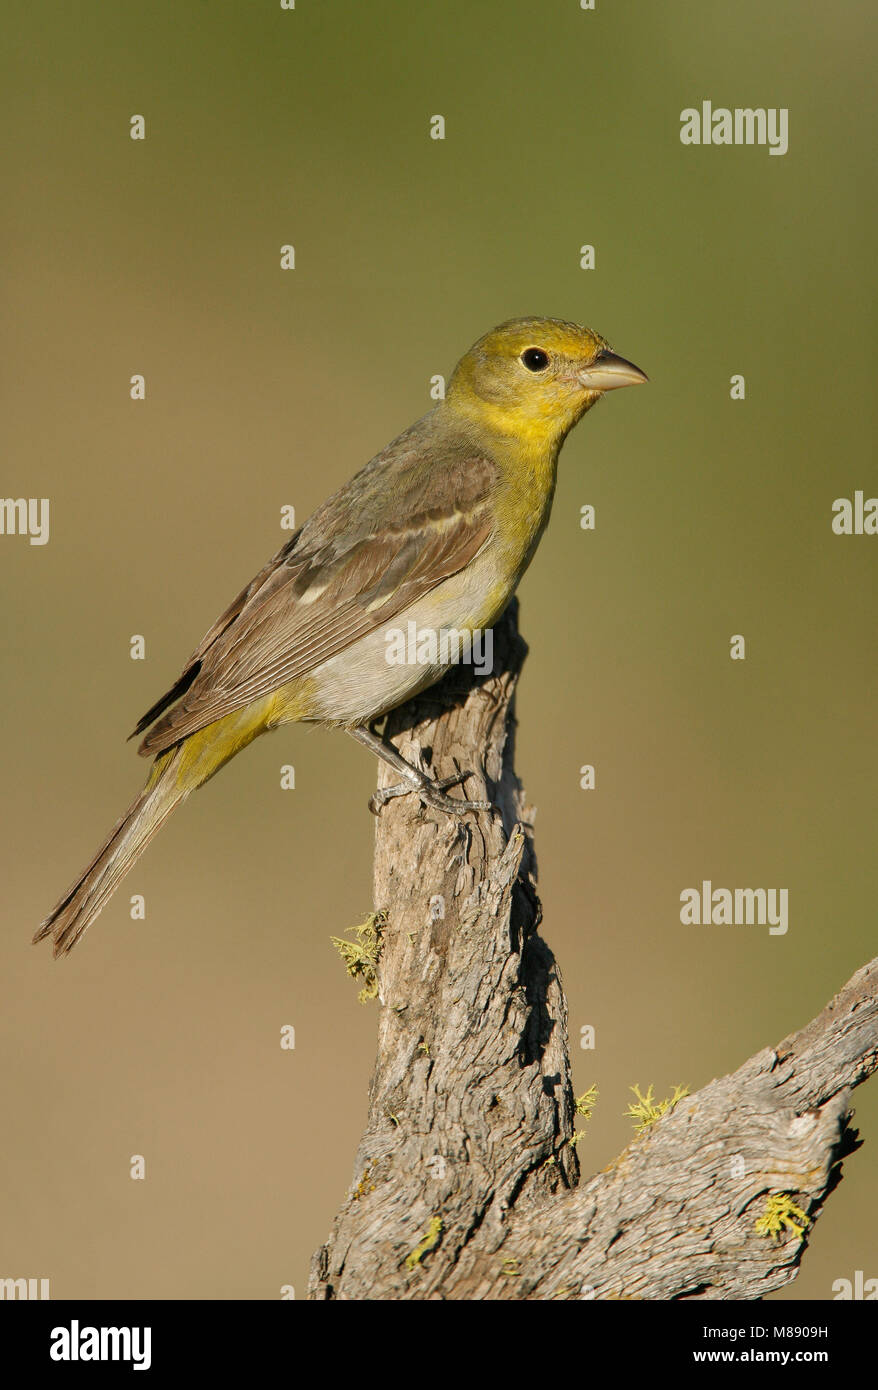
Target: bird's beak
{"x":607,"y":372}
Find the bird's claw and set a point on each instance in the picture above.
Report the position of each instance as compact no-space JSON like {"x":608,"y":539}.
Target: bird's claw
{"x":431,"y":793}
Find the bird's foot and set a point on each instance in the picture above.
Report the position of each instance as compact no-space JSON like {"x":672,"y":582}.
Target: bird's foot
{"x":431,"y":793}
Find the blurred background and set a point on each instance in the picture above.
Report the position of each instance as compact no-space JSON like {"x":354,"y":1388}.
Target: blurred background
{"x":267,"y":388}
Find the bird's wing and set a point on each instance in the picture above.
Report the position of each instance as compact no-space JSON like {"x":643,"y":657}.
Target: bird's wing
{"x":343,"y":575}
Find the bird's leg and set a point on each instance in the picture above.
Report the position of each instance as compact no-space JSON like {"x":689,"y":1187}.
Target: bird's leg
{"x":431,"y":791}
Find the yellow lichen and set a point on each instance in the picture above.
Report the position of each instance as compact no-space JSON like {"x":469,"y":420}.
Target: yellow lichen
{"x":586,"y":1103}
{"x":363,"y":1186}
{"x":361,"y":956}
{"x":583,"y":1105}
{"x":781,"y":1214}
{"x":428,"y":1243}
{"x":647,"y":1109}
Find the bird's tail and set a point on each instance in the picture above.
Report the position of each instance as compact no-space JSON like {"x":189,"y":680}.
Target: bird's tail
{"x":80,"y":906}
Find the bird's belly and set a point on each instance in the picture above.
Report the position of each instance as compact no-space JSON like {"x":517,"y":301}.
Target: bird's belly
{"x":412,"y":651}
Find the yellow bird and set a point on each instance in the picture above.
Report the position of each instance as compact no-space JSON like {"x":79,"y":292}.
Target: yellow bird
{"x":436,"y":530}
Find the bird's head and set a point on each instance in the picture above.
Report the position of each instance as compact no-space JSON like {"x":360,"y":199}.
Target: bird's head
{"x":534,"y":378}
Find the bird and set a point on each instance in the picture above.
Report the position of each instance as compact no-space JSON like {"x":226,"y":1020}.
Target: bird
{"x":437,"y":529}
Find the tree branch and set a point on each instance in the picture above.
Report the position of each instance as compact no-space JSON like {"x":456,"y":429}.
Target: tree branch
{"x":465,"y":1182}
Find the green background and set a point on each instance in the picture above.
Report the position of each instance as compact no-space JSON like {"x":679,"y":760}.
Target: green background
{"x":267,"y":388}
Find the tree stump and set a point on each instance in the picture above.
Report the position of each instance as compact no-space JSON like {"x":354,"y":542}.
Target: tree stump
{"x":466,"y":1185}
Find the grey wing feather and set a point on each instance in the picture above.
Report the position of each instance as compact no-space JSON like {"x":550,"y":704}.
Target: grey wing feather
{"x":344,"y":574}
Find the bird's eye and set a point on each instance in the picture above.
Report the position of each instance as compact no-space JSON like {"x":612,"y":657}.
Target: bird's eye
{"x":535,"y":359}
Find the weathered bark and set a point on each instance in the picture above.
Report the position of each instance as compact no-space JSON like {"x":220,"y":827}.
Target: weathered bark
{"x":465,"y":1182}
